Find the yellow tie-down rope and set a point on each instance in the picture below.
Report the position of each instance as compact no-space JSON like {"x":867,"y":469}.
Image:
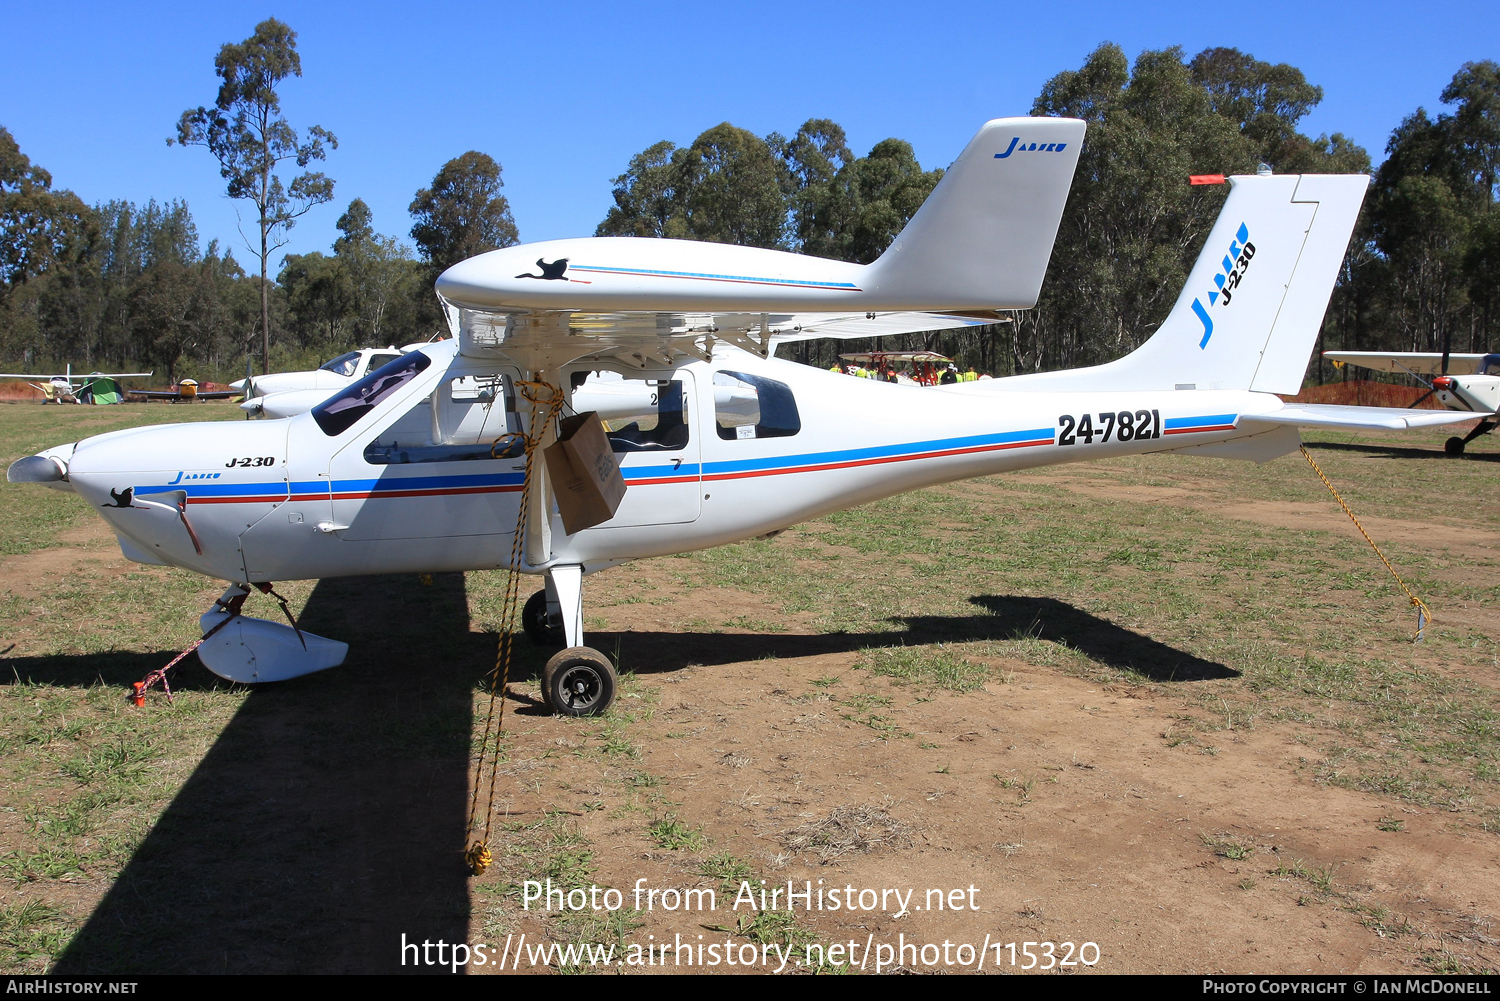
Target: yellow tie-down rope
{"x":546,"y":400}
{"x":1424,"y":616}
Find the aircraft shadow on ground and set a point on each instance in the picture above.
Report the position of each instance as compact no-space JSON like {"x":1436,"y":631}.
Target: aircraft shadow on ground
{"x":329,"y":816}
{"x":1003,"y":618}
{"x":1403,"y":452}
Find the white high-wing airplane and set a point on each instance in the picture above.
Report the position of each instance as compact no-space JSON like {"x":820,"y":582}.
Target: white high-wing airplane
{"x":405,"y":470}
{"x":1469,"y":382}
{"x":295,"y":392}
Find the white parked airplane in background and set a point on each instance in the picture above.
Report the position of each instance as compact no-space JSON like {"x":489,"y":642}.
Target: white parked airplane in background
{"x":409,"y":469}
{"x":296,"y":392}
{"x":1468,"y":382}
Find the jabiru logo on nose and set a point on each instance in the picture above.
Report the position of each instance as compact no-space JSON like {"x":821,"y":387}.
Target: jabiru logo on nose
{"x":1031,"y":148}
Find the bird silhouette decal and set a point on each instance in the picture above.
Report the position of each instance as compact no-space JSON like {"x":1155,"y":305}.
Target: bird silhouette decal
{"x":550,"y":272}
{"x":125,"y":498}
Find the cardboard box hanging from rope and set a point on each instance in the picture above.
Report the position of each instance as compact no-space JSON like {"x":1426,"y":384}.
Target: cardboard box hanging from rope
{"x":585,"y":477}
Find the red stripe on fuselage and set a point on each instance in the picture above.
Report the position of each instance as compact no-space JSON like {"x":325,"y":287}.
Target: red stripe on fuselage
{"x":1211,"y":427}
{"x":877,"y":461}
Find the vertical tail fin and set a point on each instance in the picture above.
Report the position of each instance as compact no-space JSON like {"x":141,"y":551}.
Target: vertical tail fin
{"x":983,"y":238}
{"x":1254,"y":301}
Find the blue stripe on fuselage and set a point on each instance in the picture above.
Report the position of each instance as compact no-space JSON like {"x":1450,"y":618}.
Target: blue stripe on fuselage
{"x":1172,"y":423}
{"x":278,"y":489}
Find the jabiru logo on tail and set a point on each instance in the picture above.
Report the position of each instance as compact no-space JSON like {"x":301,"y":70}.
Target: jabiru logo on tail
{"x":1032,"y":148}
{"x":1226,"y":279}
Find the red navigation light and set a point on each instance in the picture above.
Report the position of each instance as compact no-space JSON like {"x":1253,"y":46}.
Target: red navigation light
{"x":1205,"y":178}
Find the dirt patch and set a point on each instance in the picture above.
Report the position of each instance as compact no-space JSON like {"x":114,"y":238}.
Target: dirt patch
{"x":40,"y":573}
{"x":1315,"y":516}
{"x":1060,"y":805}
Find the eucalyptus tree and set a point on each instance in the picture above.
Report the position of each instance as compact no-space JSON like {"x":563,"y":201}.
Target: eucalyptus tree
{"x":246,"y":133}
{"x":39,"y":227}
{"x":1434,"y":214}
{"x":463,"y":213}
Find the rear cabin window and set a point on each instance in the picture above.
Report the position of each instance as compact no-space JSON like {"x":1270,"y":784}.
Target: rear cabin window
{"x":751,"y":406}
{"x":471,"y":417}
{"x":639,"y":415}
{"x":348,"y":406}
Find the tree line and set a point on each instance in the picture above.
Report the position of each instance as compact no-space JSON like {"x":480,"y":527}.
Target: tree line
{"x":120,"y":285}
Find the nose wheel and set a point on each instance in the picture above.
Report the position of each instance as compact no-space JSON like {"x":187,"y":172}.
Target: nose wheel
{"x":579,"y":681}
{"x":543,"y":628}
{"x":1455,"y":446}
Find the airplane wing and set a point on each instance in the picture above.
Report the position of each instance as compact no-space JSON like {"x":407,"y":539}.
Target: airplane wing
{"x":77,"y":376}
{"x":637,"y":336}
{"x":1337,"y":417}
{"x":1410,"y":362}
{"x":172,"y":394}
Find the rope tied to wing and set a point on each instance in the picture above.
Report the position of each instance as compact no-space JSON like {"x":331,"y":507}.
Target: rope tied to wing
{"x":1424,"y":616}
{"x":546,"y":400}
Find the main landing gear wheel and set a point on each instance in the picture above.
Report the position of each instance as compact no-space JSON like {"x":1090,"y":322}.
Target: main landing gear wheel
{"x":579,"y":681}
{"x":1454,"y":446}
{"x":538,"y":625}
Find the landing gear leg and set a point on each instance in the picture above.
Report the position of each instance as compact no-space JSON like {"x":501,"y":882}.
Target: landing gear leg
{"x":1455,"y":445}
{"x":565,"y":588}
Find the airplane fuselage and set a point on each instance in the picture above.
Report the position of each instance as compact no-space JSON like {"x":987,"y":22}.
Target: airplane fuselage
{"x":285,"y":499}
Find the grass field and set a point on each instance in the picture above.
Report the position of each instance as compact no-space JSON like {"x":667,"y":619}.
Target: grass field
{"x":886,"y":654}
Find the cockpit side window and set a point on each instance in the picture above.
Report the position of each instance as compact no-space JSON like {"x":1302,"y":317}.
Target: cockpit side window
{"x":348,"y":406}
{"x":344,"y":364}
{"x":752,"y":406}
{"x":466,"y":418}
{"x":639,"y":415}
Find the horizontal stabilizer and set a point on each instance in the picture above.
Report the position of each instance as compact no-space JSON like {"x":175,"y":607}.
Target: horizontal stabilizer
{"x":1326,"y":415}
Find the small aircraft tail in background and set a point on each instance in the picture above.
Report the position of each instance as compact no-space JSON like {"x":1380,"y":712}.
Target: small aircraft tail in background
{"x":1254,"y":301}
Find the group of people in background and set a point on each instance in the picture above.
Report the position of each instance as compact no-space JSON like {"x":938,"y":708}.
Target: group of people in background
{"x":925,"y":375}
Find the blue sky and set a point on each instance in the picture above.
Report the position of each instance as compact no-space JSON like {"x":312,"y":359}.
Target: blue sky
{"x":562,"y":94}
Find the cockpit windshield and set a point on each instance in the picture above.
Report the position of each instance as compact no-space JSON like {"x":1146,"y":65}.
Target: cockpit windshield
{"x":344,"y":409}
{"x":1490,"y":365}
{"x":345,"y":364}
